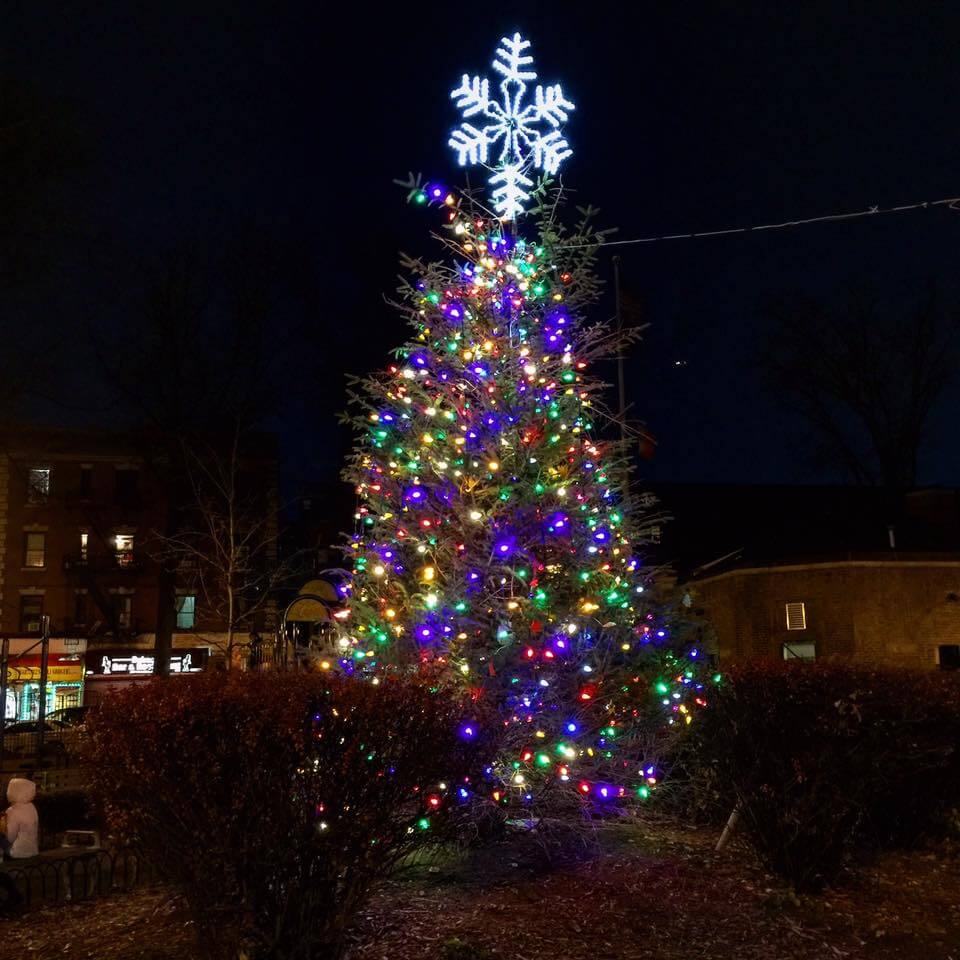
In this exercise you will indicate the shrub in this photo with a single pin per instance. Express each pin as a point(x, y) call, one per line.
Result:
point(276, 800)
point(825, 758)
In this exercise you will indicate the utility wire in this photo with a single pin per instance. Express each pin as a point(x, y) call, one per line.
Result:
point(952, 203)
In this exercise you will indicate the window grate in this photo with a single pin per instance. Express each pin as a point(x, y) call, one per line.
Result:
point(38, 484)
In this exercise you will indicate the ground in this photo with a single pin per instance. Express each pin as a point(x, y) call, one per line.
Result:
point(652, 891)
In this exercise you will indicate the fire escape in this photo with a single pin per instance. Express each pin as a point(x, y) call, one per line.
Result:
point(108, 562)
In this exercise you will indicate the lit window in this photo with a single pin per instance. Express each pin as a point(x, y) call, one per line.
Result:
point(186, 611)
point(84, 545)
point(38, 484)
point(34, 549)
point(800, 651)
point(124, 549)
point(796, 616)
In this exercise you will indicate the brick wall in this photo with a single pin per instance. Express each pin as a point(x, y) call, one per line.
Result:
point(895, 613)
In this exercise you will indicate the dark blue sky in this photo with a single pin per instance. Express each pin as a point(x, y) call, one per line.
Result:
point(294, 118)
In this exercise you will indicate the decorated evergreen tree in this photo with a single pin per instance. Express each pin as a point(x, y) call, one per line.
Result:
point(496, 538)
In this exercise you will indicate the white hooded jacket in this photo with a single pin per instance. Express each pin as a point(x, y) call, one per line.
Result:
point(22, 820)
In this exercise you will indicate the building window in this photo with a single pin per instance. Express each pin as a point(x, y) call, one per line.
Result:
point(186, 611)
point(948, 656)
point(84, 546)
point(800, 651)
point(126, 489)
point(35, 550)
point(123, 610)
point(86, 482)
point(31, 613)
point(65, 698)
point(796, 616)
point(123, 543)
point(80, 610)
point(38, 484)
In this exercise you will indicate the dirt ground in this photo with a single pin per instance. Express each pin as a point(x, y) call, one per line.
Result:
point(655, 892)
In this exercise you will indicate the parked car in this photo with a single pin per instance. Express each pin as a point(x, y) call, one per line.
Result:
point(69, 716)
point(20, 739)
point(33, 726)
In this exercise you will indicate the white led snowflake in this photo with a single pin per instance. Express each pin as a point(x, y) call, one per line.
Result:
point(528, 133)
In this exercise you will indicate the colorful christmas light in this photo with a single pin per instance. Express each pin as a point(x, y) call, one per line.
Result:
point(493, 538)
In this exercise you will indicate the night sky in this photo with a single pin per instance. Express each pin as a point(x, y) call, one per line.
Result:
point(292, 119)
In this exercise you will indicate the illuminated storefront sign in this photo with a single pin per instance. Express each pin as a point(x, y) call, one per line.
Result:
point(65, 672)
point(61, 668)
point(139, 663)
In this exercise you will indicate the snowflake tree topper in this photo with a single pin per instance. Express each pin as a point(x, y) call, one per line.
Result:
point(522, 135)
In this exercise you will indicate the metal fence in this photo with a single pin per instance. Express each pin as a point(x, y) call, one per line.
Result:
point(54, 749)
point(64, 878)
point(53, 764)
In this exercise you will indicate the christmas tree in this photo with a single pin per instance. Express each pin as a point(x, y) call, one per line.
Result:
point(496, 539)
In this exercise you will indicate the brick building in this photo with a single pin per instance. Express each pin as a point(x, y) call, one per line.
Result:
point(78, 514)
point(820, 572)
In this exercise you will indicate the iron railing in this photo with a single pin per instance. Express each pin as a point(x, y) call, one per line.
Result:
point(56, 878)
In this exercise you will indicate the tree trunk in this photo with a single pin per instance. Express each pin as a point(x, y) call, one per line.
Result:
point(166, 619)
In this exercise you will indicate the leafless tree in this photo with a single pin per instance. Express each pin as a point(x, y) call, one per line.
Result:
point(200, 367)
point(226, 546)
point(866, 377)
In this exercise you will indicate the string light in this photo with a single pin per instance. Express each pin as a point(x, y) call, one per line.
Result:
point(493, 541)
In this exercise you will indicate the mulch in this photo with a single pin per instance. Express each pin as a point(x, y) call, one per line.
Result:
point(652, 891)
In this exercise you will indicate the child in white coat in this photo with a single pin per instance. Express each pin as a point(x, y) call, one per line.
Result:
point(22, 839)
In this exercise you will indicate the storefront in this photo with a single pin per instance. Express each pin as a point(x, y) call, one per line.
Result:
point(65, 682)
point(108, 669)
